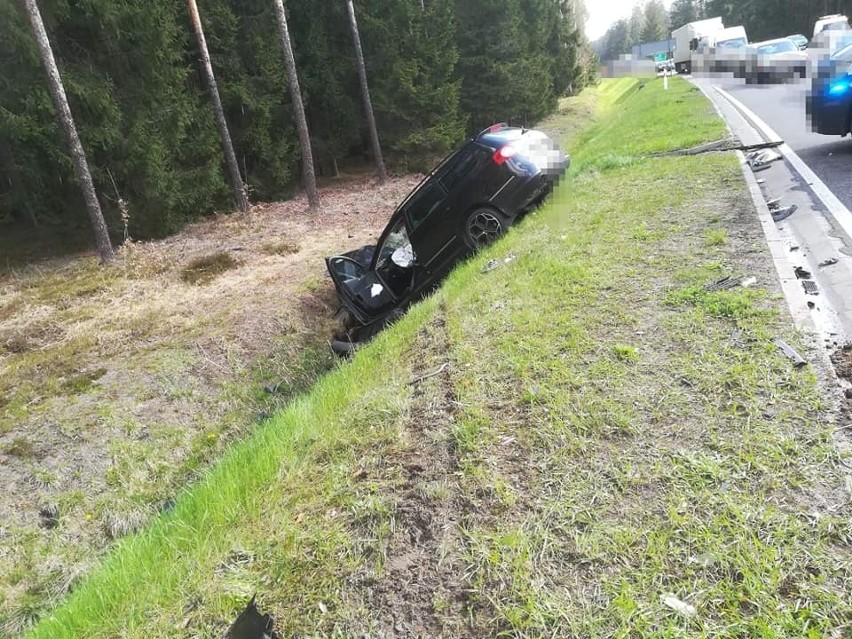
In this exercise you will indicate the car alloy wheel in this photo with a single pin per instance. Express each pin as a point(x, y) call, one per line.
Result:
point(483, 226)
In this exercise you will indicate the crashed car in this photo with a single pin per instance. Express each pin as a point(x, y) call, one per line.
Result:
point(465, 203)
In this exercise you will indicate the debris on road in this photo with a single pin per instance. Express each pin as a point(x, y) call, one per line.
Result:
point(810, 287)
point(251, 624)
point(774, 204)
point(802, 274)
point(677, 605)
point(760, 160)
point(828, 262)
point(791, 353)
point(729, 282)
point(783, 214)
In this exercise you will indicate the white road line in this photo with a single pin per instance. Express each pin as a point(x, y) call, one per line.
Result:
point(835, 207)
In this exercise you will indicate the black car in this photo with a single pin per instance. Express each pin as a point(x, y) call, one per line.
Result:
point(829, 104)
point(465, 203)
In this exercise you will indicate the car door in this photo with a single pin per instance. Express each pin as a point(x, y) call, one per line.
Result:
point(434, 214)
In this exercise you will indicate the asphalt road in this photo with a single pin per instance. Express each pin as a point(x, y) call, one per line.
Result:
point(782, 107)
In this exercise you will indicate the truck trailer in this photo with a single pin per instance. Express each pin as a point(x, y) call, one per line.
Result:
point(687, 39)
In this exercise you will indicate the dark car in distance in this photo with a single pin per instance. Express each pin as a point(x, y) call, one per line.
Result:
point(465, 203)
point(829, 103)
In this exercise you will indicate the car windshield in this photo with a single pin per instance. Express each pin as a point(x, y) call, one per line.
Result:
point(396, 239)
point(777, 47)
point(734, 43)
point(844, 55)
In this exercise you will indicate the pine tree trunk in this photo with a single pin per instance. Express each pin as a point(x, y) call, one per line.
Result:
point(240, 198)
point(308, 176)
point(365, 93)
point(78, 156)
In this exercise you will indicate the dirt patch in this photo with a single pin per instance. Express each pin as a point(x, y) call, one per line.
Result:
point(119, 385)
point(418, 588)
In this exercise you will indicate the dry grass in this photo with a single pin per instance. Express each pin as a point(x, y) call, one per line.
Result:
point(132, 379)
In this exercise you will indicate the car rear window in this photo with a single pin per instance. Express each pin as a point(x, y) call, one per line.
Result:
point(461, 166)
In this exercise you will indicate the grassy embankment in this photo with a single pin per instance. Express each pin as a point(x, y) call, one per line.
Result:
point(605, 434)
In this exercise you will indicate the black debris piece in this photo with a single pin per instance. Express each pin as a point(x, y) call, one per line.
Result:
point(723, 284)
point(791, 353)
point(828, 262)
point(810, 287)
point(794, 248)
point(811, 305)
point(252, 625)
point(783, 214)
point(774, 204)
point(802, 274)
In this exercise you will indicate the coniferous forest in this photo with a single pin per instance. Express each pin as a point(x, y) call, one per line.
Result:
point(438, 70)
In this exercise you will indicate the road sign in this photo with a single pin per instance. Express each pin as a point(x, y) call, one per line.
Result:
point(660, 57)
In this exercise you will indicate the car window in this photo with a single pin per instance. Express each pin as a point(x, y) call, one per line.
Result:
point(736, 43)
point(423, 203)
point(844, 55)
point(397, 238)
point(777, 47)
point(457, 169)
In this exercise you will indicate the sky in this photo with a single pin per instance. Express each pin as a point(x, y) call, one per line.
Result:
point(604, 13)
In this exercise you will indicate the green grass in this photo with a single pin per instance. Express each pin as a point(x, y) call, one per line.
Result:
point(598, 441)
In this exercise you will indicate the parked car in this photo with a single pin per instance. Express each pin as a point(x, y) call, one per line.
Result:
point(800, 41)
point(774, 61)
point(829, 103)
point(465, 203)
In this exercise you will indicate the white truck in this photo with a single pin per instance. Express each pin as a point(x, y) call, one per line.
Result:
point(834, 22)
point(727, 38)
point(687, 38)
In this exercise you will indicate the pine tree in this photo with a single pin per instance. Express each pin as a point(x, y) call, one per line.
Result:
point(239, 191)
point(63, 112)
point(656, 21)
point(308, 177)
point(683, 12)
point(365, 94)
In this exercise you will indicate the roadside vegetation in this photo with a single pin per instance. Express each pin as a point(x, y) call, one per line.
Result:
point(119, 386)
point(581, 442)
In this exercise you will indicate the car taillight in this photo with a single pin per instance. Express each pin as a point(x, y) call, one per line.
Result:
point(502, 154)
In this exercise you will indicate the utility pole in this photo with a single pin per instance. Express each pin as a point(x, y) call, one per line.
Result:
point(365, 93)
point(66, 121)
point(240, 197)
point(308, 177)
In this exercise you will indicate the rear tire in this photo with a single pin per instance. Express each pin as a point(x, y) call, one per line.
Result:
point(483, 226)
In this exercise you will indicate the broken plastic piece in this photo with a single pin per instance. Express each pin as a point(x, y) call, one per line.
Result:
point(810, 287)
point(252, 625)
point(774, 204)
point(828, 262)
point(749, 282)
point(791, 353)
point(679, 606)
point(724, 284)
point(801, 273)
point(782, 214)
